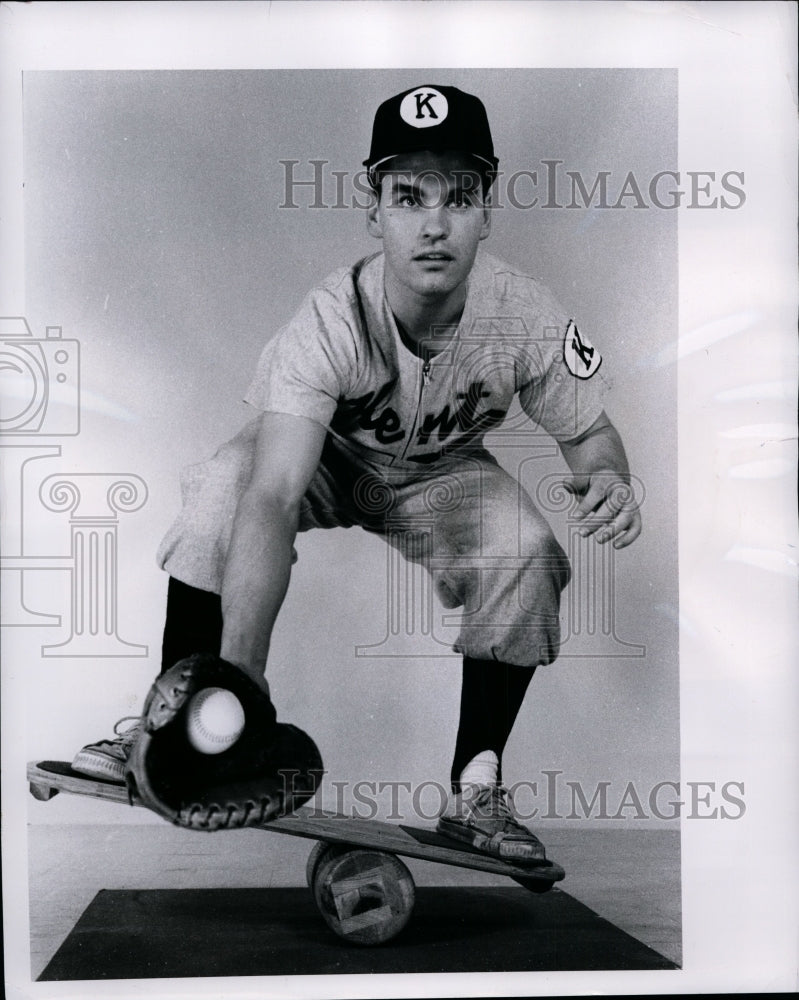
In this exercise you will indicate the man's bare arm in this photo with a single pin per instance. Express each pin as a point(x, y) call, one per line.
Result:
point(259, 559)
point(601, 477)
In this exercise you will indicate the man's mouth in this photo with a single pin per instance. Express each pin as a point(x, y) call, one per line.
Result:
point(434, 255)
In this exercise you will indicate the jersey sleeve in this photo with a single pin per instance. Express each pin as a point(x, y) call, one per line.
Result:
point(309, 365)
point(564, 386)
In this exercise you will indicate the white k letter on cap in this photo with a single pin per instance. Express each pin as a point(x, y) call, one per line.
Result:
point(424, 107)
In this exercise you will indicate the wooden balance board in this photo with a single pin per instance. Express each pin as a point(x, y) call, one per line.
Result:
point(361, 888)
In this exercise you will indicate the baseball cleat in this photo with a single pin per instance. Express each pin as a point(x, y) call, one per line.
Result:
point(106, 759)
point(483, 817)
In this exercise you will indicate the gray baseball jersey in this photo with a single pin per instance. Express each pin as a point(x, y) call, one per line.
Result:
point(411, 422)
point(341, 362)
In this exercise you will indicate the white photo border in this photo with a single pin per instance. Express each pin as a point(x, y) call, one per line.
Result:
point(738, 297)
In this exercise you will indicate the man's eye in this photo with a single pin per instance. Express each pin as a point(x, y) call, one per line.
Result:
point(461, 200)
point(406, 201)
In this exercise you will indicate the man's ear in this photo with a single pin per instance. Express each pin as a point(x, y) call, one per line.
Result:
point(373, 225)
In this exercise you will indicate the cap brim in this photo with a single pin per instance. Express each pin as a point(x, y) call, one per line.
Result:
point(371, 167)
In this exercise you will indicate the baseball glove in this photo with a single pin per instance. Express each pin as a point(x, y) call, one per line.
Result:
point(271, 769)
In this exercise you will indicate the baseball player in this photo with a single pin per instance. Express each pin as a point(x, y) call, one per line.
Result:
point(373, 402)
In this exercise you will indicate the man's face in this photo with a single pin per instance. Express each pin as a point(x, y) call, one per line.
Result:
point(431, 215)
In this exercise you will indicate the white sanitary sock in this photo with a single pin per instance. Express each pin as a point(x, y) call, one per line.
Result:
point(481, 770)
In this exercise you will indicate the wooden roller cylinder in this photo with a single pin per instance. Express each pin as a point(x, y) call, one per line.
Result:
point(365, 896)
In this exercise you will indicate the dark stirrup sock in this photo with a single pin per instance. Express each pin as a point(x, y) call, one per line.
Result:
point(491, 696)
point(193, 623)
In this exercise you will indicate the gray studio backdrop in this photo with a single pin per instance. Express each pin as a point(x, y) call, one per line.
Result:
point(157, 234)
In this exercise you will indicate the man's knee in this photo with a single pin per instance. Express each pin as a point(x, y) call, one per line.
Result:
point(544, 554)
point(538, 549)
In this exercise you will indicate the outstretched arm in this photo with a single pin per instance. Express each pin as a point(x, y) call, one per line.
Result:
point(259, 559)
point(600, 478)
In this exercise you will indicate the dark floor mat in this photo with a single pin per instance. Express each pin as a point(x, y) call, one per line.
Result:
point(177, 933)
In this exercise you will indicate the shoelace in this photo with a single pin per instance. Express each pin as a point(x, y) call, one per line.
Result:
point(497, 798)
point(127, 737)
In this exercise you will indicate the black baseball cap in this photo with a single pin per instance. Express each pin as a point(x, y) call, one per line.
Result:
point(432, 118)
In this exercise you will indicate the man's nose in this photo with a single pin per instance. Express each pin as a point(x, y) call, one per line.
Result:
point(436, 222)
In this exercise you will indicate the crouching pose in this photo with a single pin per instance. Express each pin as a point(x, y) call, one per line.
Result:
point(373, 403)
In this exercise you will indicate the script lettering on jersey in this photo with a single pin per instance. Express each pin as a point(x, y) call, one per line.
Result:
point(465, 417)
point(363, 413)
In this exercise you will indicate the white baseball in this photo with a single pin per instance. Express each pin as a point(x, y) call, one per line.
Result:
point(214, 720)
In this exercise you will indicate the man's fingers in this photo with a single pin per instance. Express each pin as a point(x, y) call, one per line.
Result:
point(592, 499)
point(625, 538)
point(607, 522)
point(593, 520)
point(602, 489)
point(623, 529)
point(608, 512)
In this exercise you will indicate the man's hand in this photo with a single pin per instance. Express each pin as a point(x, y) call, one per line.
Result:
point(607, 507)
point(601, 479)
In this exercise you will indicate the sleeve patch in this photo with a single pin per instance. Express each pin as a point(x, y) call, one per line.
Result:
point(581, 357)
